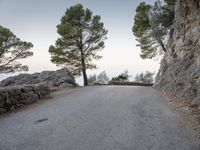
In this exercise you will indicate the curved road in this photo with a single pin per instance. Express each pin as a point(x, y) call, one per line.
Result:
point(98, 118)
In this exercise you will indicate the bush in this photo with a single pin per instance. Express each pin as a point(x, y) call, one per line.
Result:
point(146, 77)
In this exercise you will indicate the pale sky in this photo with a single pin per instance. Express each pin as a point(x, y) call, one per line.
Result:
point(35, 21)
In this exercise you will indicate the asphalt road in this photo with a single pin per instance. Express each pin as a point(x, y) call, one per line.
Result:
point(98, 118)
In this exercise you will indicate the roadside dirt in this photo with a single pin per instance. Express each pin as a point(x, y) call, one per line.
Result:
point(186, 108)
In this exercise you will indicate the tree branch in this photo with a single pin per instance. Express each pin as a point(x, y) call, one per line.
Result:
point(12, 59)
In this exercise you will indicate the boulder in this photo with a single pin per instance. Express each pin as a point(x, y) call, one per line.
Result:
point(60, 78)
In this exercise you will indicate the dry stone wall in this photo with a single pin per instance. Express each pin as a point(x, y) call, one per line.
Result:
point(18, 96)
point(24, 89)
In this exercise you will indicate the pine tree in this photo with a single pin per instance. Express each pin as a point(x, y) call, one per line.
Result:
point(81, 36)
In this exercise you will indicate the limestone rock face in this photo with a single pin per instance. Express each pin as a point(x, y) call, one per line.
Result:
point(59, 78)
point(180, 67)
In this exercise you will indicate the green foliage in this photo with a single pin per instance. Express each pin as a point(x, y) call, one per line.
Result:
point(141, 19)
point(146, 77)
point(92, 79)
point(11, 50)
point(167, 15)
point(81, 36)
point(152, 27)
point(102, 78)
point(123, 77)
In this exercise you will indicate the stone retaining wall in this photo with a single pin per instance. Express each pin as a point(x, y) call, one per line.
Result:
point(130, 83)
point(18, 96)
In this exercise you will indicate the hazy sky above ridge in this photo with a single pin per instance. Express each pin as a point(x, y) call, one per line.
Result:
point(35, 21)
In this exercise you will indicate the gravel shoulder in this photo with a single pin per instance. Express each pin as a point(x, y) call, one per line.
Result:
point(189, 112)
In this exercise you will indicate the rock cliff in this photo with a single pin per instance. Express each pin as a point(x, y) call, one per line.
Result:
point(59, 78)
point(180, 68)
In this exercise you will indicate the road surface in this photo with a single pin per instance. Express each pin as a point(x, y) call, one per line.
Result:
point(98, 118)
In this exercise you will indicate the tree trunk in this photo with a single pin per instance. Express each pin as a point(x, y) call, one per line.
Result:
point(85, 80)
point(161, 44)
point(163, 47)
point(85, 77)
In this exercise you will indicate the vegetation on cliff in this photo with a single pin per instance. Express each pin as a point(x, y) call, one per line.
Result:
point(152, 27)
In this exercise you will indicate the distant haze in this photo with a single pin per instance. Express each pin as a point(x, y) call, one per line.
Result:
point(35, 21)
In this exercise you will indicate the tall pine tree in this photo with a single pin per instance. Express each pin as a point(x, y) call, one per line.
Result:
point(81, 36)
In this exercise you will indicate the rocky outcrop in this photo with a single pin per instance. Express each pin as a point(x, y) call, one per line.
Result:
point(18, 96)
point(60, 78)
point(180, 68)
point(24, 89)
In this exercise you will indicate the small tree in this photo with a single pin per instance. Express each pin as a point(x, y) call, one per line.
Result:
point(146, 77)
point(152, 27)
point(11, 50)
point(92, 79)
point(123, 77)
point(82, 35)
point(102, 78)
